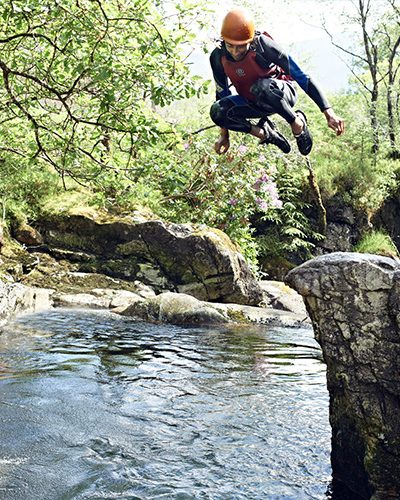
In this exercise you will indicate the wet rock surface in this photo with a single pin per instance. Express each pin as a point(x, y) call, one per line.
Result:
point(354, 304)
point(15, 298)
point(148, 267)
point(183, 309)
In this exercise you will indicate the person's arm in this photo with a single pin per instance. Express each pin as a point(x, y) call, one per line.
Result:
point(222, 144)
point(220, 78)
point(273, 52)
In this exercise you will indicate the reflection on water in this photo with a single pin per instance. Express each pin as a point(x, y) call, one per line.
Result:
point(94, 405)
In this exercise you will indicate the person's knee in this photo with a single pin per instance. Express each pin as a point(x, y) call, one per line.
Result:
point(218, 113)
point(267, 90)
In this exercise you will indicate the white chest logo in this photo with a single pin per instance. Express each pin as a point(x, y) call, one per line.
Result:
point(240, 72)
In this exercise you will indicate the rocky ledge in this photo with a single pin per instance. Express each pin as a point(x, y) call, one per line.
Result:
point(149, 269)
point(16, 298)
point(184, 258)
point(354, 304)
point(141, 303)
point(182, 309)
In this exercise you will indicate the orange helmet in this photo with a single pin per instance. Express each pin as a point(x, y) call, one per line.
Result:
point(238, 27)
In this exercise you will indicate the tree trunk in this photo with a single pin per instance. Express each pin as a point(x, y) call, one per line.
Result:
point(394, 150)
point(374, 118)
point(371, 52)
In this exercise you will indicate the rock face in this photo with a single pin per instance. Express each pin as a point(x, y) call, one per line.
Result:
point(27, 235)
point(388, 218)
point(279, 296)
point(354, 304)
point(99, 298)
point(344, 227)
point(15, 298)
point(201, 262)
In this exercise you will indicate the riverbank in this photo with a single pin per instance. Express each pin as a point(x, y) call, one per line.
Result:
point(168, 307)
point(148, 269)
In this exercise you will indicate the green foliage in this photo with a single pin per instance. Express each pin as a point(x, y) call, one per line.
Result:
point(377, 242)
point(23, 185)
point(81, 79)
point(346, 164)
point(222, 191)
point(89, 117)
point(288, 231)
point(376, 63)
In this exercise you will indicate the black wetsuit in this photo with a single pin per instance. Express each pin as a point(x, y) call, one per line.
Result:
point(264, 80)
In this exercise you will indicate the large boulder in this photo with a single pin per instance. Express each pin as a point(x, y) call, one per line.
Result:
point(183, 309)
point(177, 309)
point(195, 260)
point(354, 304)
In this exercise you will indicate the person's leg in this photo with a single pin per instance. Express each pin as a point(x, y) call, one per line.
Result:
point(233, 113)
point(276, 96)
point(279, 96)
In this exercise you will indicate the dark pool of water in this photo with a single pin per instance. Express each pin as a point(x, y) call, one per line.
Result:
point(93, 405)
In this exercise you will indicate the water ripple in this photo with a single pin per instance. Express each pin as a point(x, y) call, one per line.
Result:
point(98, 406)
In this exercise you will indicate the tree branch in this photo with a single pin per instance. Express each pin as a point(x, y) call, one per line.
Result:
point(30, 35)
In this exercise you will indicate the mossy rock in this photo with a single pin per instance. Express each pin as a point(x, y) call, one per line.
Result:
point(183, 254)
point(276, 267)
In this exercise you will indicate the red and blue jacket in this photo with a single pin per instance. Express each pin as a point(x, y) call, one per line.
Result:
point(265, 59)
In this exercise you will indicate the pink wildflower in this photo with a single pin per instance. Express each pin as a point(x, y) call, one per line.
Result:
point(242, 149)
point(277, 203)
point(272, 189)
point(186, 145)
point(273, 170)
point(233, 201)
point(262, 204)
point(263, 177)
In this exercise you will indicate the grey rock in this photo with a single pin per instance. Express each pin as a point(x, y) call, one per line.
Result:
point(198, 260)
point(178, 309)
point(242, 314)
point(86, 300)
point(354, 304)
point(98, 298)
point(16, 298)
point(183, 309)
point(280, 296)
point(339, 237)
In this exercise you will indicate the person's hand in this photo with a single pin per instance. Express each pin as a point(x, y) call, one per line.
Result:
point(334, 122)
point(222, 144)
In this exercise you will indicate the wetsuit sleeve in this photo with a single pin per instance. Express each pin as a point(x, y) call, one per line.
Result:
point(271, 51)
point(221, 80)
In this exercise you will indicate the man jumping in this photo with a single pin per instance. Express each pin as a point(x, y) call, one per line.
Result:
point(264, 77)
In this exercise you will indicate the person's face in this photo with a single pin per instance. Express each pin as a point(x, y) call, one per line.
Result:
point(238, 52)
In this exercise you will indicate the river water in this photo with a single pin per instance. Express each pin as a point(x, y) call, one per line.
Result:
point(94, 405)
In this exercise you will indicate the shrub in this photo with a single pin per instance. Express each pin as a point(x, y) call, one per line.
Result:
point(377, 242)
